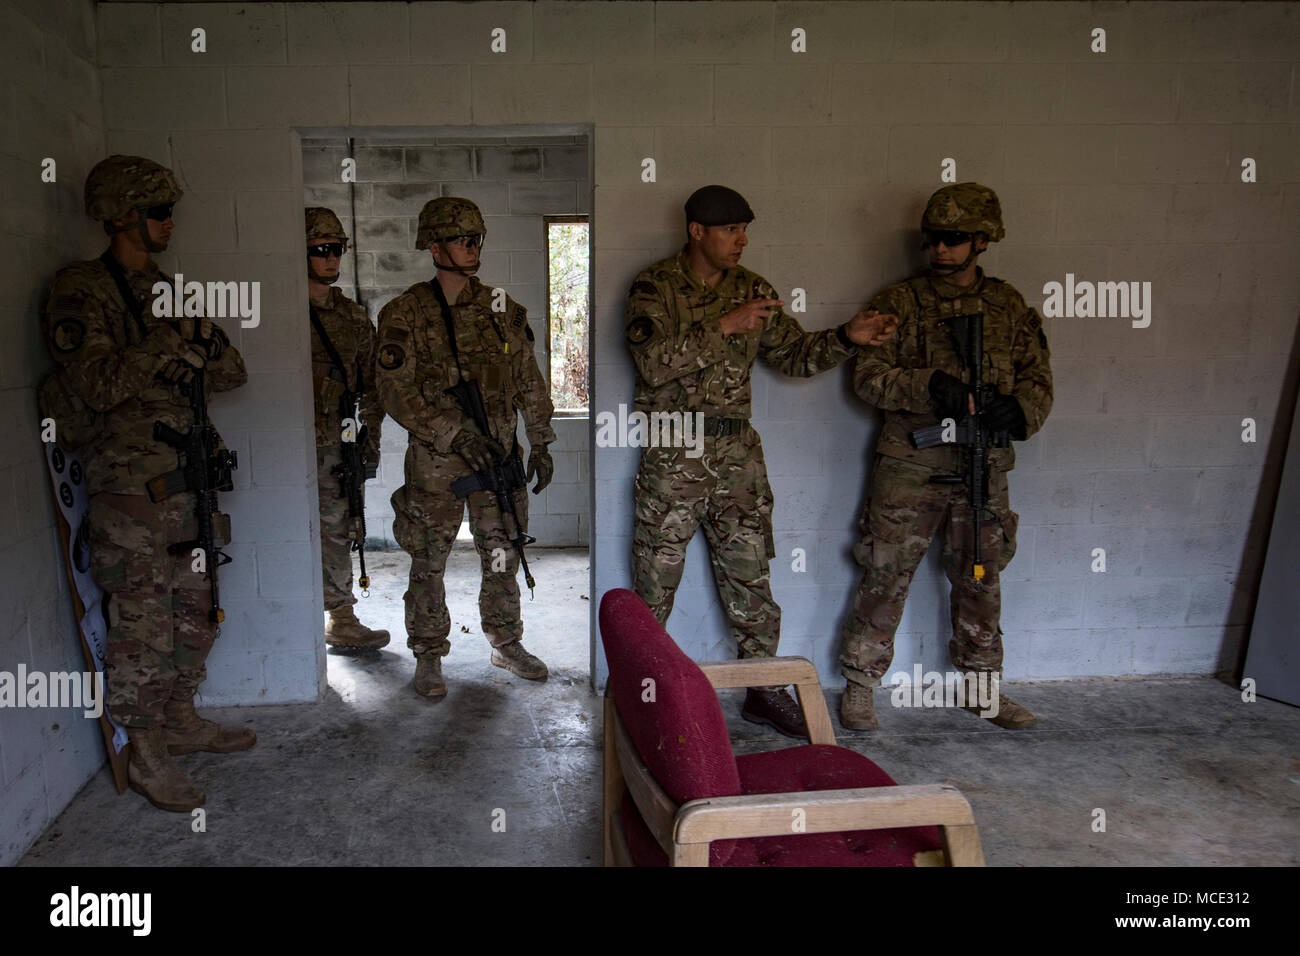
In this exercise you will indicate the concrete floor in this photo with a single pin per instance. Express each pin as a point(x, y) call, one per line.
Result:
point(1186, 772)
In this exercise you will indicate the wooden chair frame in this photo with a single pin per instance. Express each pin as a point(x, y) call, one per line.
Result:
point(685, 831)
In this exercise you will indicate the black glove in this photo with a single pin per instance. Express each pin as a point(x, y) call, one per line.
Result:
point(950, 394)
point(1004, 414)
point(478, 450)
point(541, 465)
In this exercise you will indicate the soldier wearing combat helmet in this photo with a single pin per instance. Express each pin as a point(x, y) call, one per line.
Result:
point(917, 380)
point(695, 324)
point(437, 335)
point(343, 346)
point(134, 369)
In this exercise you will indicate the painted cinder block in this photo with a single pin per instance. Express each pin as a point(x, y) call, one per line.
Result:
point(1103, 91)
point(468, 33)
point(340, 33)
point(779, 94)
point(429, 164)
point(656, 94)
point(543, 198)
point(531, 93)
point(917, 154)
point(1144, 498)
point(391, 95)
point(1115, 601)
point(126, 33)
point(160, 98)
point(1234, 93)
point(712, 33)
point(234, 34)
point(231, 159)
point(614, 32)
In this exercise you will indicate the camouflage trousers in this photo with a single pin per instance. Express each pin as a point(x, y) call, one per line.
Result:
point(725, 492)
point(903, 514)
point(427, 516)
point(157, 607)
point(336, 530)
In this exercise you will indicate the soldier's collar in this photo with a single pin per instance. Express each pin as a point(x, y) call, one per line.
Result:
point(950, 290)
point(695, 281)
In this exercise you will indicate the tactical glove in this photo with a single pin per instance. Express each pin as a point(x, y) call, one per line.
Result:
point(175, 372)
point(950, 394)
point(1004, 414)
point(541, 465)
point(478, 450)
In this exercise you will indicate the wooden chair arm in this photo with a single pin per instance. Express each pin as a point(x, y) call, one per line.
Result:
point(699, 822)
point(777, 672)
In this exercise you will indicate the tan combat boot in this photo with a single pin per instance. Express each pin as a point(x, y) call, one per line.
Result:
point(185, 731)
point(857, 707)
point(1010, 715)
point(518, 661)
point(344, 630)
point(153, 775)
point(428, 676)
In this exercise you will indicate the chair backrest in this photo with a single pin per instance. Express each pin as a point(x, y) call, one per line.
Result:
point(675, 721)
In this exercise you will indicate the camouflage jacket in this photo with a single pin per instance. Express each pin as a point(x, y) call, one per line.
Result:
point(683, 360)
point(416, 366)
point(895, 375)
point(353, 336)
point(111, 367)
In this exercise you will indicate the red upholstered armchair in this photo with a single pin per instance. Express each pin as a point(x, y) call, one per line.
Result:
point(676, 795)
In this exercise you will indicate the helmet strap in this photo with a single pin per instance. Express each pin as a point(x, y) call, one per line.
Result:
point(453, 267)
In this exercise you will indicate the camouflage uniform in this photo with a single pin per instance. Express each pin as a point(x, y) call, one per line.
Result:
point(353, 336)
point(904, 510)
point(685, 363)
point(159, 634)
point(415, 366)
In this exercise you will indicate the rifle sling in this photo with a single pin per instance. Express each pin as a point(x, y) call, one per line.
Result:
point(124, 290)
point(335, 359)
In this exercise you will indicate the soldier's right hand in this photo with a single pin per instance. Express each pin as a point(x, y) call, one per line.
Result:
point(478, 450)
point(748, 317)
point(205, 339)
point(175, 372)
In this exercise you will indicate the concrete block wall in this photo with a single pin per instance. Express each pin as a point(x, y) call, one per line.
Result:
point(1117, 166)
point(516, 180)
point(50, 91)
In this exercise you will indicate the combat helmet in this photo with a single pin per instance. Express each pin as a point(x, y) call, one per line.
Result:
point(323, 224)
point(965, 207)
point(445, 217)
point(119, 184)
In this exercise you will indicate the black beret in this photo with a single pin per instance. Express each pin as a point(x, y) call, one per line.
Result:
point(717, 206)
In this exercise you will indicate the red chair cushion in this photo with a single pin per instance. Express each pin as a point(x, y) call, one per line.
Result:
point(795, 769)
point(679, 730)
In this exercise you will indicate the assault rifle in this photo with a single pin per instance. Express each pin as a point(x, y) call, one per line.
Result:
point(970, 431)
point(205, 470)
point(501, 478)
point(351, 473)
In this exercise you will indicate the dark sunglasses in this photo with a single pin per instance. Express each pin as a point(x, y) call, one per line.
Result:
point(949, 237)
point(160, 213)
point(469, 242)
point(327, 249)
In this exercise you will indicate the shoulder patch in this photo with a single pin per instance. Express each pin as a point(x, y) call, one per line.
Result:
point(68, 335)
point(639, 330)
point(1042, 339)
point(643, 287)
point(528, 331)
point(67, 305)
point(520, 317)
point(391, 356)
point(395, 333)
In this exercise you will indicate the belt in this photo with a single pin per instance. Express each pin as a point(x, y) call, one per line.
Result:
point(719, 427)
